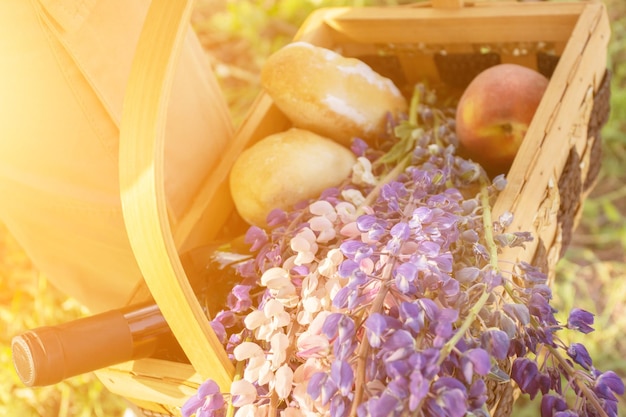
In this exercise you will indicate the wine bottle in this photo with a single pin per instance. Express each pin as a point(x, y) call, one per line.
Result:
point(50, 354)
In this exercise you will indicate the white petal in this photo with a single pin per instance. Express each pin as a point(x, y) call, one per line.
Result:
point(323, 208)
point(247, 350)
point(255, 319)
point(283, 382)
point(243, 392)
point(275, 277)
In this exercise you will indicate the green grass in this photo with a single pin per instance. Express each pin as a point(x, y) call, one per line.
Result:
point(592, 274)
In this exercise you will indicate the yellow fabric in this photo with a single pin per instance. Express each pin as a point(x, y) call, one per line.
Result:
point(64, 65)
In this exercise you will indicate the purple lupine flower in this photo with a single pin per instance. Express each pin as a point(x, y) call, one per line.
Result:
point(208, 401)
point(449, 398)
point(340, 406)
point(352, 269)
point(322, 387)
point(539, 307)
point(343, 376)
point(518, 312)
point(477, 395)
point(419, 388)
point(475, 361)
point(256, 238)
point(276, 217)
point(526, 374)
point(392, 192)
point(608, 384)
point(404, 276)
point(384, 406)
point(356, 250)
point(496, 342)
point(552, 404)
point(372, 225)
point(580, 320)
point(359, 147)
point(400, 233)
point(412, 315)
point(239, 298)
point(398, 387)
point(397, 340)
point(377, 327)
point(579, 354)
point(347, 297)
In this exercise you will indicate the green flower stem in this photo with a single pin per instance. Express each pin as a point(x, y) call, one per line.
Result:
point(239, 368)
point(390, 176)
point(493, 260)
point(488, 224)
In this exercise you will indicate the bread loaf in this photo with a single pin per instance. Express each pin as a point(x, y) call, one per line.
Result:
point(284, 169)
point(326, 93)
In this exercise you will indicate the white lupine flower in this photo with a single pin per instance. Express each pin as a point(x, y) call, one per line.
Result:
point(324, 227)
point(283, 382)
point(323, 208)
point(313, 346)
point(353, 196)
point(350, 230)
point(266, 375)
point(248, 410)
point(301, 377)
point(266, 322)
point(275, 278)
point(328, 266)
point(279, 346)
point(362, 172)
point(255, 356)
point(247, 350)
point(243, 392)
point(346, 211)
point(278, 281)
point(304, 244)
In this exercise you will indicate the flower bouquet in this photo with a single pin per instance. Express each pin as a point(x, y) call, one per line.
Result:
point(386, 296)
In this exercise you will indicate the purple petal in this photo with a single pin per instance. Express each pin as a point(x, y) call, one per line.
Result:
point(518, 311)
point(343, 376)
point(208, 387)
point(609, 383)
point(412, 316)
point(550, 404)
point(399, 339)
point(314, 387)
point(375, 327)
point(496, 342)
point(256, 237)
point(579, 354)
point(480, 359)
point(340, 406)
point(580, 320)
point(191, 406)
point(384, 406)
point(526, 374)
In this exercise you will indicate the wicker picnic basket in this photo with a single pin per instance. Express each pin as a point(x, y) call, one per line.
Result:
point(449, 41)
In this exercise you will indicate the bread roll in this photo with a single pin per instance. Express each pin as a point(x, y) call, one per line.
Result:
point(284, 169)
point(326, 93)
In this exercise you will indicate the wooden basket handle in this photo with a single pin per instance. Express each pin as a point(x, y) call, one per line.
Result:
point(144, 205)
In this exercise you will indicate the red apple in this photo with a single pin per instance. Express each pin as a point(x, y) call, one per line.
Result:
point(494, 113)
